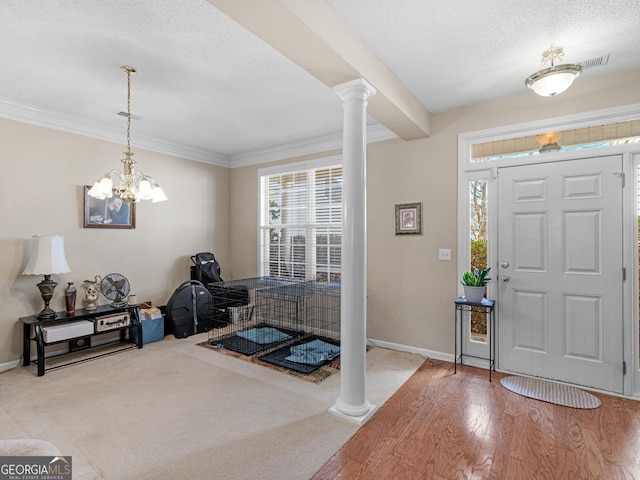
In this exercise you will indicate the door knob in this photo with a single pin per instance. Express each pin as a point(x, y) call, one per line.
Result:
point(504, 264)
point(505, 278)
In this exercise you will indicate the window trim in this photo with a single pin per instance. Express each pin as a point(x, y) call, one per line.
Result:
point(324, 162)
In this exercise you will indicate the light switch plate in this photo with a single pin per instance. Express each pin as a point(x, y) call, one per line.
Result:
point(444, 254)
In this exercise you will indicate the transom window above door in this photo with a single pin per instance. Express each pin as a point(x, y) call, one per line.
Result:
point(561, 140)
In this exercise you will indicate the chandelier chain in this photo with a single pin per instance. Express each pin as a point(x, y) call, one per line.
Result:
point(129, 110)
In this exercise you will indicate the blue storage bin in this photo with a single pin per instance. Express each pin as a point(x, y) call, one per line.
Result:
point(152, 331)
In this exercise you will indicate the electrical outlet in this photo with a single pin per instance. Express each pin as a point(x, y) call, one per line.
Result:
point(444, 254)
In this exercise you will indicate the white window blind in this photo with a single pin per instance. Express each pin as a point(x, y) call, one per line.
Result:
point(301, 223)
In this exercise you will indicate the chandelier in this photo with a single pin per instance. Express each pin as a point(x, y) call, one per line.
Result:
point(131, 186)
point(555, 79)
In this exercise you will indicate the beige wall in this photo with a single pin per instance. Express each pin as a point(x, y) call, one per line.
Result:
point(410, 291)
point(42, 173)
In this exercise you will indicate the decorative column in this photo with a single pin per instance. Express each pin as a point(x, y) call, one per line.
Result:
point(352, 404)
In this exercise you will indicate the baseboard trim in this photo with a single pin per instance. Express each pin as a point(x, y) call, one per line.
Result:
point(5, 367)
point(423, 352)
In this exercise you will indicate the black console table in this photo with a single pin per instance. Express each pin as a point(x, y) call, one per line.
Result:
point(488, 308)
point(32, 331)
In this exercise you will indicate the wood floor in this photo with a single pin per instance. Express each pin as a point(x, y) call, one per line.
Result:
point(444, 426)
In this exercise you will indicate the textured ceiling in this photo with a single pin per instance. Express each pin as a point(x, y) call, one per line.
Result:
point(203, 81)
point(463, 52)
point(208, 86)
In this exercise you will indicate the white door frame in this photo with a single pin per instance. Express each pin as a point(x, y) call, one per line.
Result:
point(631, 158)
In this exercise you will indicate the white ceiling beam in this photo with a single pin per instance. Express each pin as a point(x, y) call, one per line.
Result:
point(312, 35)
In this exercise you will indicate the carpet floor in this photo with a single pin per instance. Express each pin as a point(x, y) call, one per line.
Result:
point(174, 410)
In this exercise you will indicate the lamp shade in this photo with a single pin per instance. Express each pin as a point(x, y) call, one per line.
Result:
point(46, 256)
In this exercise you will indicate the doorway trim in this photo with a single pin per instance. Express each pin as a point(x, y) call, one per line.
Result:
point(631, 158)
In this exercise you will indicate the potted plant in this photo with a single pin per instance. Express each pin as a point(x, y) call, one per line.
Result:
point(474, 284)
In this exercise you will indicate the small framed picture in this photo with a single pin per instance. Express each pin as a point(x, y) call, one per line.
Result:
point(409, 219)
point(108, 213)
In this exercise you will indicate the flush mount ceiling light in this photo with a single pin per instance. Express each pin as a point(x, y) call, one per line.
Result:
point(555, 79)
point(132, 186)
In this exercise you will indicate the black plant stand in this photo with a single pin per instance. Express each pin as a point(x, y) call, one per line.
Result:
point(488, 308)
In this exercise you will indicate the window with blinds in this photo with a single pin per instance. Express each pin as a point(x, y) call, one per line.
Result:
point(301, 223)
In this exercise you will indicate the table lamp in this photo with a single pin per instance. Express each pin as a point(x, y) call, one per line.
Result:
point(46, 257)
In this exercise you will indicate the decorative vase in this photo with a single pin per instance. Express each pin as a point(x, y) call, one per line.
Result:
point(91, 295)
point(474, 294)
point(70, 297)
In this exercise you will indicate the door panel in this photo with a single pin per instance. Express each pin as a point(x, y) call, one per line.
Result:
point(530, 321)
point(583, 327)
point(582, 242)
point(560, 289)
point(530, 244)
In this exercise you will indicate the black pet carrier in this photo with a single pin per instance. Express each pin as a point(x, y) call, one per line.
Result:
point(205, 269)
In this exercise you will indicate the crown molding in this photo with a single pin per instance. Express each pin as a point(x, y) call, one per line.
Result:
point(42, 117)
point(375, 133)
point(26, 113)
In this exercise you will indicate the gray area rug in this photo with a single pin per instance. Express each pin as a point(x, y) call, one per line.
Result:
point(550, 392)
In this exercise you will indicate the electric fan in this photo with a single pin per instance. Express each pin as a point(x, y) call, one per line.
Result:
point(115, 287)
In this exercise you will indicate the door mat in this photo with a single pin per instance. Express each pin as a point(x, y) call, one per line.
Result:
point(317, 376)
point(551, 392)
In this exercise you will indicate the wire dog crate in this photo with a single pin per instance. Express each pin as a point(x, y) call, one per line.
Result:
point(312, 309)
point(234, 306)
point(291, 323)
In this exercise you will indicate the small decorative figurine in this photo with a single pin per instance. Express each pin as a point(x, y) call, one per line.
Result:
point(91, 295)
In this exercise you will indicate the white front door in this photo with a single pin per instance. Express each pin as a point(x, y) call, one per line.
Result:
point(559, 272)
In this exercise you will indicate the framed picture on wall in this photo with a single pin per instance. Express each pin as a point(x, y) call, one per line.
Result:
point(409, 219)
point(108, 213)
